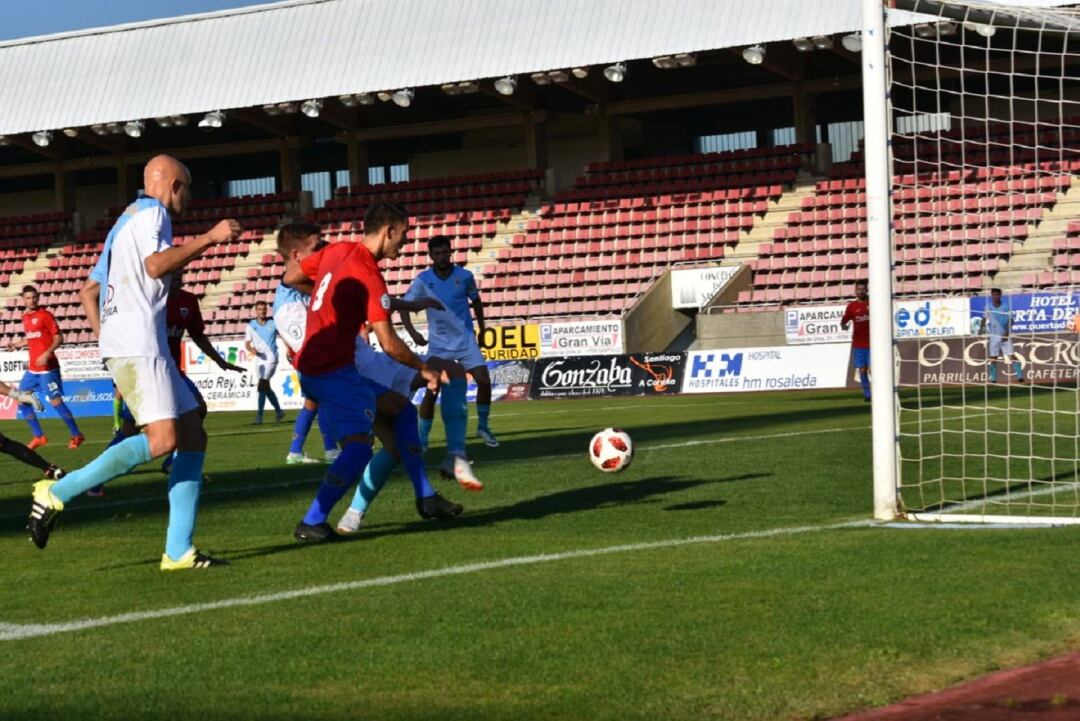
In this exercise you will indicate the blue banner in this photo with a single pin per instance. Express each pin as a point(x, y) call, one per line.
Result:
point(87, 398)
point(1031, 312)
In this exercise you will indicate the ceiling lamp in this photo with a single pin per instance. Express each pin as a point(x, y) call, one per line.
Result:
point(164, 121)
point(803, 45)
point(685, 60)
point(213, 119)
point(506, 86)
point(4, 140)
point(99, 129)
point(580, 73)
point(134, 128)
point(615, 73)
point(311, 108)
point(403, 98)
point(822, 42)
point(451, 88)
point(42, 138)
point(178, 121)
point(468, 87)
point(852, 43)
point(755, 54)
point(271, 109)
point(541, 78)
point(665, 62)
point(71, 132)
point(385, 96)
point(349, 101)
point(114, 128)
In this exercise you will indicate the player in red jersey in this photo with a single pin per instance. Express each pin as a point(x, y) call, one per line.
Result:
point(857, 315)
point(42, 338)
point(347, 290)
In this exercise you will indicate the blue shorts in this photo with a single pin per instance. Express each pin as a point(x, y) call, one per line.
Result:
point(345, 397)
point(194, 389)
point(861, 357)
point(47, 384)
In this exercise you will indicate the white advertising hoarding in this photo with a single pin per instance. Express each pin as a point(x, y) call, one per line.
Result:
point(694, 287)
point(590, 337)
point(815, 324)
point(766, 369)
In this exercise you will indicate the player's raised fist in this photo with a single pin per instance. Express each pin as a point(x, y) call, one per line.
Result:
point(225, 231)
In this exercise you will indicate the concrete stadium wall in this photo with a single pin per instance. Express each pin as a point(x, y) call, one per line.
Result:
point(740, 330)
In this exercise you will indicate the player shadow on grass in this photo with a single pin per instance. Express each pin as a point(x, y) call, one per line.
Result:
point(615, 494)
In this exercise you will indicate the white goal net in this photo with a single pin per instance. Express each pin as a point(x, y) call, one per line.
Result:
point(983, 164)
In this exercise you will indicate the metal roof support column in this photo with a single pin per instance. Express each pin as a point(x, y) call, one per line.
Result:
point(535, 142)
point(358, 154)
point(63, 189)
point(289, 155)
point(805, 111)
point(607, 127)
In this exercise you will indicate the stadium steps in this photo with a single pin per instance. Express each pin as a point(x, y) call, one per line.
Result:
point(484, 259)
point(1035, 253)
point(224, 288)
point(28, 276)
point(775, 217)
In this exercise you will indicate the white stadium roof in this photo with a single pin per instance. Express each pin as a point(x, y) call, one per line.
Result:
point(290, 51)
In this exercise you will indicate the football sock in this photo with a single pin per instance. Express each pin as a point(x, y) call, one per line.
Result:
point(864, 381)
point(375, 477)
point(328, 442)
point(117, 421)
point(166, 465)
point(455, 415)
point(22, 453)
point(261, 404)
point(113, 462)
point(407, 438)
point(184, 482)
point(482, 412)
point(301, 428)
point(69, 419)
point(339, 478)
point(31, 419)
point(273, 400)
point(1019, 370)
point(993, 372)
point(425, 429)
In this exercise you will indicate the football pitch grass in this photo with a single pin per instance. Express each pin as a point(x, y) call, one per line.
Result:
point(729, 573)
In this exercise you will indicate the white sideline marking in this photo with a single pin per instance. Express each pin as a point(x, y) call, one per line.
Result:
point(17, 631)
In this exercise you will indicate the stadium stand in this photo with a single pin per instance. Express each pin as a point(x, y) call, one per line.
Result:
point(963, 225)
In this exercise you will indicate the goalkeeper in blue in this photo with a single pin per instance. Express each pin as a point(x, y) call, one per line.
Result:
point(997, 324)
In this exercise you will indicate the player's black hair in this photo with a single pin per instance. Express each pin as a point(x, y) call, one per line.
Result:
point(262, 303)
point(996, 290)
point(291, 235)
point(863, 281)
point(382, 213)
point(28, 289)
point(438, 241)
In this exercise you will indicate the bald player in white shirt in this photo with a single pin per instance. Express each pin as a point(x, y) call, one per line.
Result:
point(124, 299)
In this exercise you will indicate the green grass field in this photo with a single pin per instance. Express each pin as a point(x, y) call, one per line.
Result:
point(727, 586)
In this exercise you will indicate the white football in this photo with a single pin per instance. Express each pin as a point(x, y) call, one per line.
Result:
point(611, 450)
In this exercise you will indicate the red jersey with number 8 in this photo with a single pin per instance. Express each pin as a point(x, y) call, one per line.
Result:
point(349, 291)
point(41, 328)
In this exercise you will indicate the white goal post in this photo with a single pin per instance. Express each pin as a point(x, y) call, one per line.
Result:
point(972, 182)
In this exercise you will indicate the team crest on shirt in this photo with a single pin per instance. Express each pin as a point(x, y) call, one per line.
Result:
point(33, 321)
point(385, 301)
point(184, 312)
